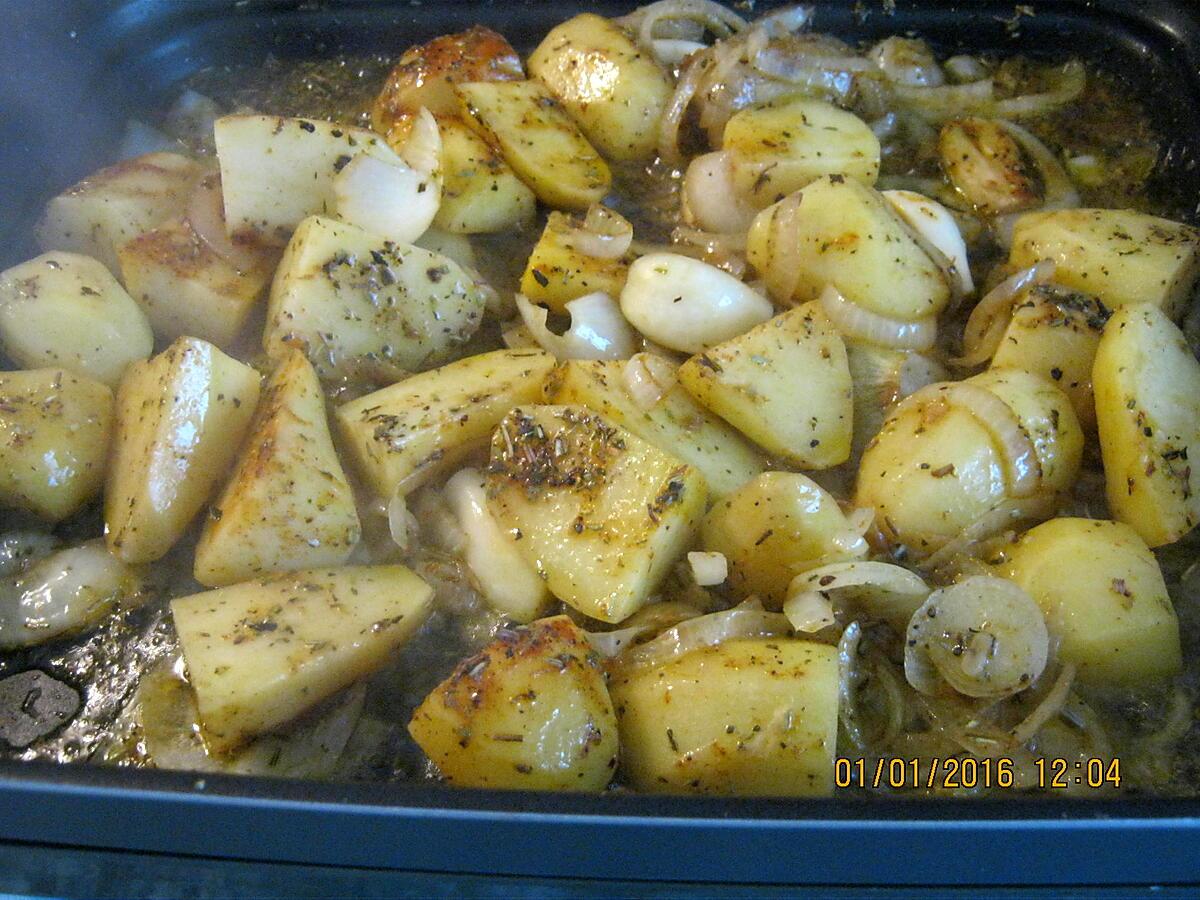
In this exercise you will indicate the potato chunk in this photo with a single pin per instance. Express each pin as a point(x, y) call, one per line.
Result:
point(779, 148)
point(54, 434)
point(63, 309)
point(541, 143)
point(276, 171)
point(260, 653)
point(404, 435)
point(361, 306)
point(675, 423)
point(775, 527)
point(785, 385)
point(846, 234)
point(287, 504)
point(531, 710)
point(1119, 255)
point(612, 87)
point(601, 513)
point(480, 192)
point(1104, 599)
point(109, 207)
point(1054, 333)
point(751, 717)
point(181, 418)
point(557, 273)
point(1147, 385)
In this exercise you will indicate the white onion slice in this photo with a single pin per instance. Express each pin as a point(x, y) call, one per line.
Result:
point(648, 377)
point(1073, 81)
point(907, 61)
point(718, 19)
point(673, 51)
point(401, 523)
point(708, 568)
point(746, 620)
point(988, 320)
point(809, 611)
point(392, 200)
point(605, 234)
point(672, 117)
point(1008, 514)
point(880, 590)
point(783, 268)
point(935, 227)
point(855, 322)
point(206, 214)
point(948, 101)
point(610, 644)
point(709, 197)
point(598, 330)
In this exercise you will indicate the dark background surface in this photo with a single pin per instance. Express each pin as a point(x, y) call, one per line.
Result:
point(70, 74)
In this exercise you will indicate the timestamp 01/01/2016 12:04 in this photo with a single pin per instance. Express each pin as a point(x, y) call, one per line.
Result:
point(970, 773)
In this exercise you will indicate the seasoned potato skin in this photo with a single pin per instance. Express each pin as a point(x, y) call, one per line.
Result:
point(531, 710)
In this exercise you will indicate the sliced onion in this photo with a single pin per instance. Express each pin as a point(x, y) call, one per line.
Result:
point(984, 637)
point(1073, 79)
point(965, 68)
point(990, 317)
point(604, 234)
point(935, 230)
point(1059, 191)
point(423, 149)
point(673, 51)
point(783, 266)
point(206, 214)
point(809, 611)
point(718, 19)
point(879, 590)
point(1051, 705)
point(708, 569)
point(711, 200)
point(389, 199)
point(598, 330)
point(907, 61)
point(672, 117)
point(855, 322)
point(1022, 466)
point(747, 620)
point(401, 523)
point(648, 377)
point(610, 644)
point(948, 101)
point(1007, 514)
point(849, 680)
point(785, 64)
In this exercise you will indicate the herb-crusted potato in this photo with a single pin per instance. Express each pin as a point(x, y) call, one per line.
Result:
point(746, 717)
point(260, 653)
point(63, 309)
point(675, 423)
point(287, 504)
point(1121, 256)
point(402, 436)
point(557, 273)
point(785, 384)
point(54, 436)
point(1104, 599)
point(600, 512)
point(845, 234)
point(541, 143)
point(180, 420)
point(779, 148)
point(276, 171)
point(1147, 385)
point(531, 710)
point(614, 89)
point(480, 192)
point(99, 214)
point(775, 527)
point(362, 306)
point(1054, 333)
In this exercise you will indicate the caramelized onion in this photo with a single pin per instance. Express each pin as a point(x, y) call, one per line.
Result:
point(855, 322)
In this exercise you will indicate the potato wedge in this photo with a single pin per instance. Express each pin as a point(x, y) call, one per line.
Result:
point(1121, 256)
point(676, 424)
point(260, 653)
point(54, 435)
point(1147, 386)
point(531, 711)
point(287, 504)
point(404, 435)
point(779, 148)
point(541, 143)
point(108, 208)
point(426, 74)
point(775, 527)
point(480, 192)
point(276, 171)
point(557, 273)
point(747, 717)
point(601, 513)
point(847, 235)
point(610, 86)
point(180, 420)
point(1104, 598)
point(63, 309)
point(784, 384)
point(363, 307)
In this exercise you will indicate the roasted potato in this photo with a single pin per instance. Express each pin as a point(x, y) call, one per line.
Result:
point(531, 711)
point(557, 273)
point(63, 309)
point(602, 514)
point(54, 436)
point(260, 653)
point(287, 504)
point(180, 421)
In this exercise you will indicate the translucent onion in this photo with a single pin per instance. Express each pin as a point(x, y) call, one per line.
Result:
point(1022, 466)
point(809, 611)
point(1058, 191)
point(849, 681)
point(598, 330)
point(965, 68)
point(876, 589)
point(714, 17)
point(672, 117)
point(648, 377)
point(990, 317)
point(783, 268)
point(517, 336)
point(604, 234)
point(401, 523)
point(708, 569)
point(673, 51)
point(785, 64)
point(390, 199)
point(20, 549)
point(206, 215)
point(935, 230)
point(984, 637)
point(861, 324)
point(711, 200)
point(947, 101)
point(1008, 514)
point(1051, 705)
point(422, 151)
point(747, 620)
point(1072, 81)
point(610, 644)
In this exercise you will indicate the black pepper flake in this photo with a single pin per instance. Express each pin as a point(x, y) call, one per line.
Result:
point(308, 126)
point(539, 277)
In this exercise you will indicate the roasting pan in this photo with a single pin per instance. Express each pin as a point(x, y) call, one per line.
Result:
point(71, 73)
